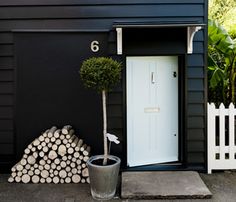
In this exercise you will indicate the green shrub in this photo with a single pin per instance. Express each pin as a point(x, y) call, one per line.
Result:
point(100, 73)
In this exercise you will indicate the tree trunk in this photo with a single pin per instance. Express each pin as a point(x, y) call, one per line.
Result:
point(233, 89)
point(104, 127)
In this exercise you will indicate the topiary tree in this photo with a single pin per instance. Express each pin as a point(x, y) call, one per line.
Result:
point(101, 74)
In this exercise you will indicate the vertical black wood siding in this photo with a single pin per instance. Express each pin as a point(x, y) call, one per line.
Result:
point(97, 14)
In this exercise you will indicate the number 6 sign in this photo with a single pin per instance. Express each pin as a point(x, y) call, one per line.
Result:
point(94, 46)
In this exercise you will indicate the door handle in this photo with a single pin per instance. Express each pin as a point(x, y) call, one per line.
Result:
point(174, 74)
point(153, 77)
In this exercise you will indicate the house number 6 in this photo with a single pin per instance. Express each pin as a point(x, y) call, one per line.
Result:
point(94, 46)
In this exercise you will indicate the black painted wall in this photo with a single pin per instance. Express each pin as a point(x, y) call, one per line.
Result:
point(70, 15)
point(48, 87)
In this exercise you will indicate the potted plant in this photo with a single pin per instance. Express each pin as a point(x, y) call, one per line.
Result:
point(102, 74)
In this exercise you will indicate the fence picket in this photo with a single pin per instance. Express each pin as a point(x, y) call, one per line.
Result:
point(231, 132)
point(211, 137)
point(222, 156)
point(222, 132)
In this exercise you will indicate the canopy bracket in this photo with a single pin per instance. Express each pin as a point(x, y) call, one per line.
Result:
point(119, 41)
point(191, 31)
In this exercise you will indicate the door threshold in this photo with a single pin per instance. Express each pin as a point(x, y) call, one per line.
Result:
point(158, 167)
point(170, 164)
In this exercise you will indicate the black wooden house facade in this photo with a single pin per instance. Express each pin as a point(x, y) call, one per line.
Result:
point(42, 46)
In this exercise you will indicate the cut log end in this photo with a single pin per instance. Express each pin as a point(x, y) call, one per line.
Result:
point(65, 129)
point(25, 178)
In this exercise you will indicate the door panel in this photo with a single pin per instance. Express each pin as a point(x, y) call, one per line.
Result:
point(152, 110)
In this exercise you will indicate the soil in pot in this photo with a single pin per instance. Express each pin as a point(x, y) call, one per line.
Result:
point(99, 162)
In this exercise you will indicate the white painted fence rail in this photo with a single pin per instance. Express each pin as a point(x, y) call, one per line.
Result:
point(221, 153)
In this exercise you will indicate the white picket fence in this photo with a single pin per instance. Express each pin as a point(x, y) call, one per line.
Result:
point(221, 144)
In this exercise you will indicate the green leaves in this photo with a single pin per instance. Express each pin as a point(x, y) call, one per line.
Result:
point(220, 39)
point(100, 73)
point(217, 75)
point(221, 64)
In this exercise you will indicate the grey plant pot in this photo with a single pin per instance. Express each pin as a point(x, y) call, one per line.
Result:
point(103, 179)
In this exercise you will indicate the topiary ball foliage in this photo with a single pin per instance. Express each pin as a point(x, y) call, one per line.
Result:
point(100, 73)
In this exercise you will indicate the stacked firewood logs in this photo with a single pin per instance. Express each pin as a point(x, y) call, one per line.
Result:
point(56, 156)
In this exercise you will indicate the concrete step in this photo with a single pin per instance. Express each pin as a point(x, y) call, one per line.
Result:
point(163, 185)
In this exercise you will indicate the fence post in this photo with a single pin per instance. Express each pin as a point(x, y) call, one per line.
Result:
point(211, 136)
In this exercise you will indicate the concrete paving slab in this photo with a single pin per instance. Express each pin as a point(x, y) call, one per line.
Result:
point(163, 185)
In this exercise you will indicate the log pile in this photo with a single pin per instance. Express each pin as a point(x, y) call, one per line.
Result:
point(56, 156)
